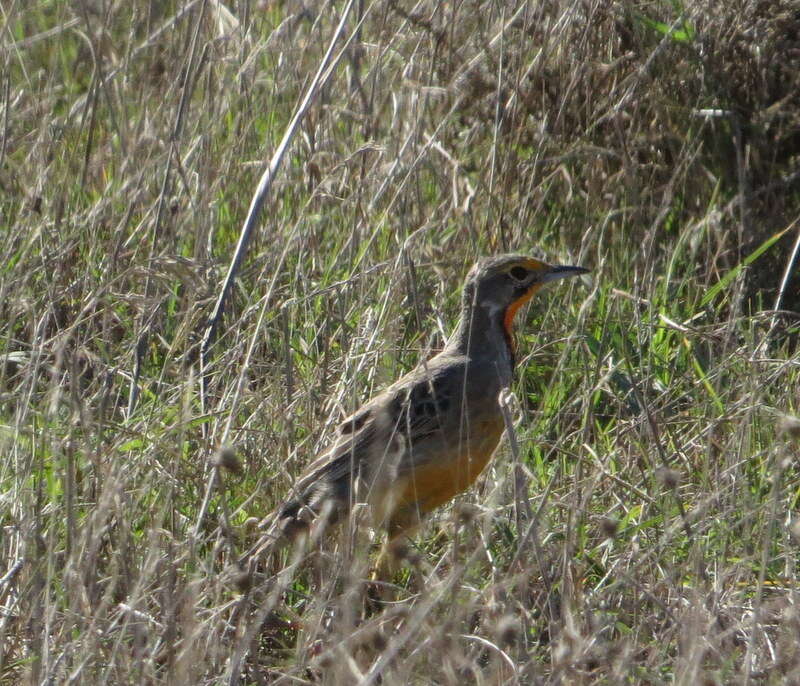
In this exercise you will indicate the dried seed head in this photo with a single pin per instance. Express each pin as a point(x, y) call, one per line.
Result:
point(507, 631)
point(668, 478)
point(414, 559)
point(403, 553)
point(609, 526)
point(226, 458)
point(399, 550)
point(789, 426)
point(239, 577)
point(379, 641)
point(467, 512)
point(326, 660)
point(243, 581)
point(794, 530)
point(475, 84)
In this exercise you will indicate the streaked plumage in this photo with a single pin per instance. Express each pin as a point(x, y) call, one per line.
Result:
point(429, 435)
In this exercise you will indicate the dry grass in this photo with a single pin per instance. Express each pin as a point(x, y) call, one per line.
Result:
point(656, 144)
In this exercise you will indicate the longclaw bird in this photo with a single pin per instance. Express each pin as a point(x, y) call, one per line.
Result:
point(429, 435)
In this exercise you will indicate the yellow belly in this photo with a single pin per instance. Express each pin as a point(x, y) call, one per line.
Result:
point(438, 481)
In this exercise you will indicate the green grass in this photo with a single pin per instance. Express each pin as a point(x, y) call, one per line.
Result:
point(655, 540)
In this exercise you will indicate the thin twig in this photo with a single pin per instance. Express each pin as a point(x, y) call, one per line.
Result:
point(324, 72)
point(787, 275)
point(326, 67)
point(521, 504)
point(146, 319)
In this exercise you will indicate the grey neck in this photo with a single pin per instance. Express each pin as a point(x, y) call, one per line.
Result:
point(480, 335)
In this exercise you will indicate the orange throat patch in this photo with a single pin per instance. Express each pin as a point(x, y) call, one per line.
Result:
point(511, 311)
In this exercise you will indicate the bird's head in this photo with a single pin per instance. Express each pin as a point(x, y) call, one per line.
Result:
point(502, 285)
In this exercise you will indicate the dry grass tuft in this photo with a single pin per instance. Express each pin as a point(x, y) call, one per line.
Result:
point(656, 143)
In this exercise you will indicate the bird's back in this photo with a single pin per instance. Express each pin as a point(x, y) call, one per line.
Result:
point(411, 448)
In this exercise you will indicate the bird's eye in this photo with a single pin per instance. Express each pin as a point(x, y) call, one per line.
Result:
point(518, 273)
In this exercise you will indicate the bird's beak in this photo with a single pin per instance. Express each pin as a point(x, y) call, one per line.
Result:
point(561, 272)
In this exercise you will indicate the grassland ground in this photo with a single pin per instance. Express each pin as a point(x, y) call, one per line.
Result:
point(646, 531)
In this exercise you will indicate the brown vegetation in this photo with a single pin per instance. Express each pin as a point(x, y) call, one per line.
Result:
point(653, 532)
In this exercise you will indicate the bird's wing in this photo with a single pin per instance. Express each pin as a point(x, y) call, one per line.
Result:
point(425, 403)
point(356, 434)
point(413, 408)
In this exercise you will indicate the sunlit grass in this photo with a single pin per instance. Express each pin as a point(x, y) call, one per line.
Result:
point(655, 539)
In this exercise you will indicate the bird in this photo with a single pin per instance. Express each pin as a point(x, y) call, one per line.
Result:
point(428, 436)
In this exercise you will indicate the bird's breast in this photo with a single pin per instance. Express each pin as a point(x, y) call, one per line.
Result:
point(454, 469)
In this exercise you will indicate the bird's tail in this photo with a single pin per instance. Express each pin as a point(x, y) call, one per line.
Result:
point(281, 527)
